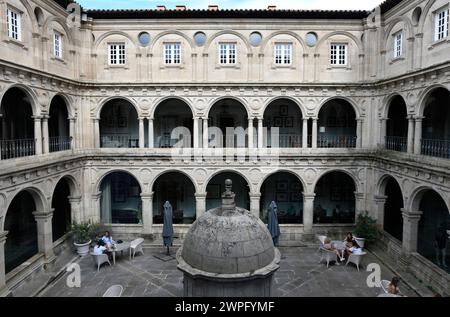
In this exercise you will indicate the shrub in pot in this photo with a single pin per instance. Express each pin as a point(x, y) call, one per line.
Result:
point(366, 231)
point(82, 237)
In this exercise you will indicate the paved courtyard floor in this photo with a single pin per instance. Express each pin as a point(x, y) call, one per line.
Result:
point(300, 275)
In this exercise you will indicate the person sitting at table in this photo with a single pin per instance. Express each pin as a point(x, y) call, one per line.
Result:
point(348, 241)
point(354, 249)
point(100, 248)
point(393, 286)
point(328, 245)
point(108, 240)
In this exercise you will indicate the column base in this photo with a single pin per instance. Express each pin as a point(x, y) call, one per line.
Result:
point(49, 262)
point(404, 261)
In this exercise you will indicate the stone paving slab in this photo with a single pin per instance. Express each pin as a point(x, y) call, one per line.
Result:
point(300, 275)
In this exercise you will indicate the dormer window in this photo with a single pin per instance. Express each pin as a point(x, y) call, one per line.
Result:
point(14, 24)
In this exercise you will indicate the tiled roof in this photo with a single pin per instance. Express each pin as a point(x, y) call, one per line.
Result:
point(225, 14)
point(64, 3)
point(388, 5)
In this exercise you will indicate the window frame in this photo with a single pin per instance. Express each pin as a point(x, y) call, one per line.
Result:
point(441, 31)
point(280, 59)
point(170, 57)
point(18, 26)
point(116, 57)
point(398, 47)
point(58, 48)
point(336, 61)
point(229, 60)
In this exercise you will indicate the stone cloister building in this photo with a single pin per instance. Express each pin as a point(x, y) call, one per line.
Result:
point(357, 105)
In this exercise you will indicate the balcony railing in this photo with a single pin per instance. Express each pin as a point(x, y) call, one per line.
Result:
point(60, 143)
point(436, 148)
point(10, 149)
point(336, 141)
point(397, 143)
point(118, 141)
point(288, 141)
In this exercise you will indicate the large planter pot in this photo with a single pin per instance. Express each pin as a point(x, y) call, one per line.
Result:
point(361, 242)
point(83, 249)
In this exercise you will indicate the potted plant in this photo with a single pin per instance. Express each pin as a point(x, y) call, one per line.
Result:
point(366, 229)
point(81, 234)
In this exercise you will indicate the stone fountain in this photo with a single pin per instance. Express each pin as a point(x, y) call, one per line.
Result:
point(228, 252)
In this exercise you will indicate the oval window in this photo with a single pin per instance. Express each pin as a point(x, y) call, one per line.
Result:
point(255, 38)
point(311, 39)
point(144, 38)
point(200, 38)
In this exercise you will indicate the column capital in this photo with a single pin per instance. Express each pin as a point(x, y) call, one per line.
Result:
point(75, 199)
point(147, 195)
point(255, 195)
point(384, 119)
point(315, 118)
point(141, 118)
point(200, 195)
point(309, 196)
point(411, 215)
point(72, 118)
point(95, 119)
point(43, 215)
point(419, 118)
point(260, 118)
point(251, 118)
point(410, 117)
point(359, 196)
point(97, 196)
point(36, 118)
point(45, 117)
point(360, 119)
point(380, 198)
point(205, 118)
point(150, 118)
point(3, 236)
point(305, 119)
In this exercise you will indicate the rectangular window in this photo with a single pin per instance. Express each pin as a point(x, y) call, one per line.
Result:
point(227, 53)
point(172, 53)
point(116, 53)
point(14, 24)
point(57, 44)
point(442, 21)
point(398, 44)
point(283, 54)
point(338, 54)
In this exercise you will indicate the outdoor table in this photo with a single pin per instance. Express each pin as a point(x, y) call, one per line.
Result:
point(120, 247)
point(340, 246)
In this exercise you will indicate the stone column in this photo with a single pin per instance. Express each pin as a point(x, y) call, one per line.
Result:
point(44, 232)
point(410, 134)
point(95, 215)
point(308, 212)
point(250, 133)
point(45, 135)
point(418, 135)
point(314, 133)
point(359, 123)
point(3, 289)
point(196, 133)
point(75, 209)
point(380, 201)
point(72, 121)
point(410, 230)
point(383, 130)
point(147, 213)
point(150, 133)
point(359, 203)
point(3, 134)
point(200, 204)
point(260, 133)
point(255, 199)
point(305, 133)
point(205, 133)
point(96, 133)
point(38, 134)
point(141, 133)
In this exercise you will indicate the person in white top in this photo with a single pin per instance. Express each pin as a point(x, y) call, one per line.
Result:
point(108, 240)
point(100, 248)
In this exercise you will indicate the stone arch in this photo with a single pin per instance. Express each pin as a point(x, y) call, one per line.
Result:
point(62, 22)
point(216, 100)
point(424, 96)
point(281, 32)
point(176, 32)
point(382, 182)
point(30, 12)
point(302, 109)
point(355, 39)
point(71, 181)
point(34, 101)
point(349, 100)
point(161, 100)
point(417, 194)
point(162, 173)
point(352, 176)
point(394, 22)
point(105, 101)
point(237, 172)
point(387, 102)
point(424, 15)
point(216, 35)
point(268, 175)
point(118, 170)
point(67, 100)
point(102, 37)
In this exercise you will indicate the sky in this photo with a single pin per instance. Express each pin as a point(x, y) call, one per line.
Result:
point(234, 4)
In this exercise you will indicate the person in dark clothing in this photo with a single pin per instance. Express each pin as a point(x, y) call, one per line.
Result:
point(441, 241)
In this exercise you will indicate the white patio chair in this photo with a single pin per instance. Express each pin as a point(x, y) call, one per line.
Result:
point(114, 291)
point(328, 255)
point(356, 259)
point(385, 286)
point(322, 240)
point(136, 246)
point(100, 259)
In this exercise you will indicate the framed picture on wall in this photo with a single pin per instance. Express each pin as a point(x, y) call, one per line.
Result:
point(213, 191)
point(278, 122)
point(282, 197)
point(282, 186)
point(289, 122)
point(336, 193)
point(284, 111)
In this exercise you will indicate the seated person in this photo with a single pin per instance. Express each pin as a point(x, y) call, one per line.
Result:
point(108, 240)
point(328, 245)
point(348, 241)
point(393, 286)
point(354, 249)
point(100, 248)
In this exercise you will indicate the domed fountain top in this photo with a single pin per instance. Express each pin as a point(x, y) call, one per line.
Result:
point(228, 241)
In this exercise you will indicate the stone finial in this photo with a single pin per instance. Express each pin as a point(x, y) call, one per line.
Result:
point(228, 203)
